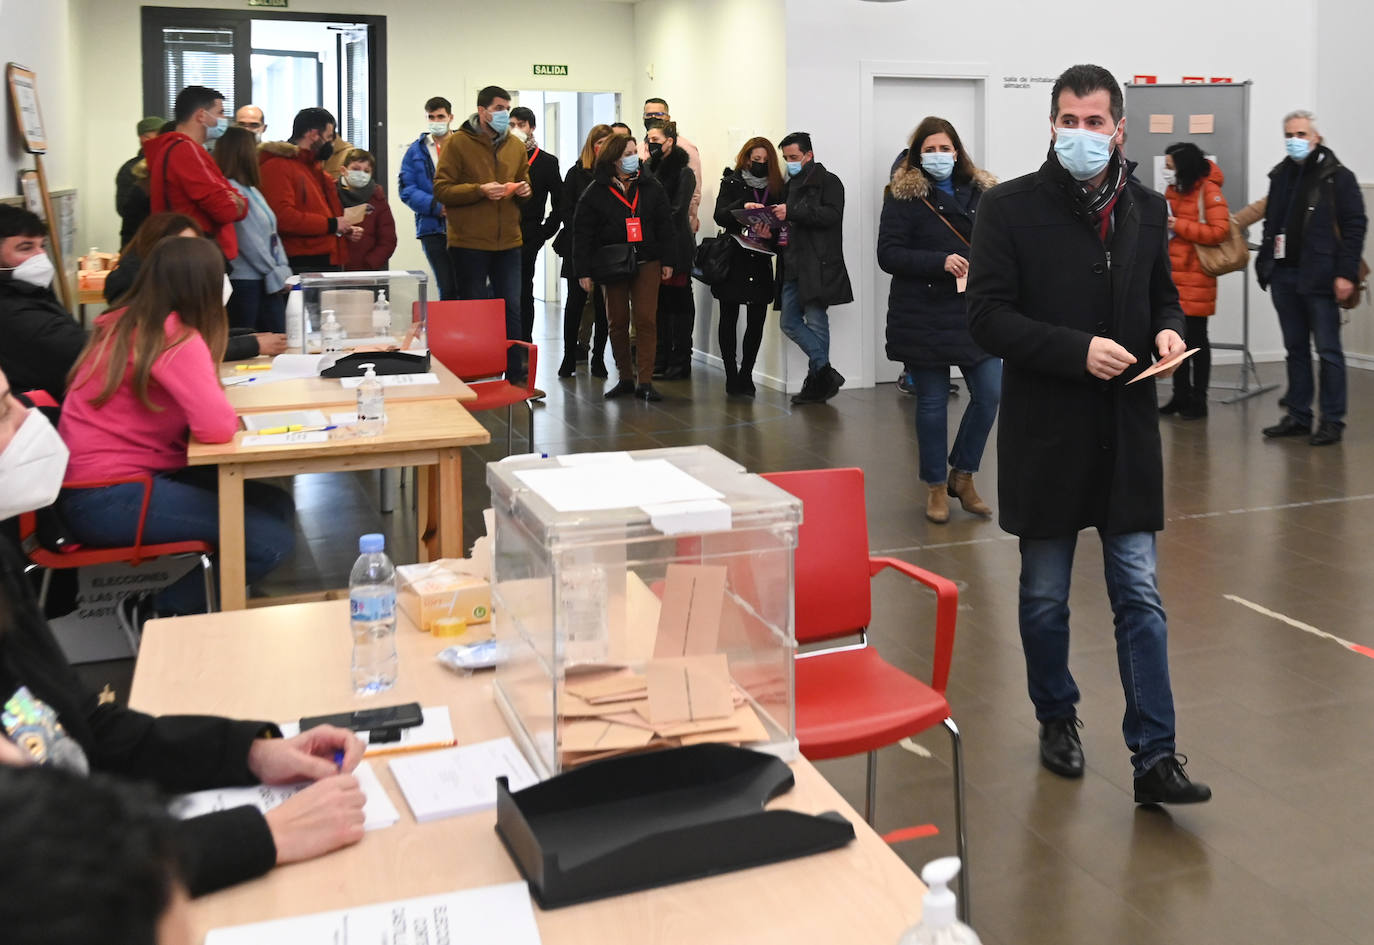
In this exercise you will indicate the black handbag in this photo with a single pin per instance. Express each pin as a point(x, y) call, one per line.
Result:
point(712, 262)
point(614, 263)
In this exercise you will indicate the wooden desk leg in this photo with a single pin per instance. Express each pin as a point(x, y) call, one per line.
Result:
point(233, 581)
point(426, 506)
point(450, 503)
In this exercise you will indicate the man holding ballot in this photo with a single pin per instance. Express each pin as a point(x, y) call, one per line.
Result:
point(1069, 284)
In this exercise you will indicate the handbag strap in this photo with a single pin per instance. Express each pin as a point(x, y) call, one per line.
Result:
point(947, 223)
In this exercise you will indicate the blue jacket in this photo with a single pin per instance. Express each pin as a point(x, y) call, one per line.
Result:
point(417, 189)
point(261, 255)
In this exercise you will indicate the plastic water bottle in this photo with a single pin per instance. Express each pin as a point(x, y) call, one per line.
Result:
point(331, 333)
point(295, 319)
point(371, 404)
point(372, 614)
point(381, 315)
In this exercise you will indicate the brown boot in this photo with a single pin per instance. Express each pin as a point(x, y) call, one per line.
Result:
point(937, 509)
point(960, 486)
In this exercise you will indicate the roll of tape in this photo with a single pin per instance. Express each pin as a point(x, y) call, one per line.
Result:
point(449, 627)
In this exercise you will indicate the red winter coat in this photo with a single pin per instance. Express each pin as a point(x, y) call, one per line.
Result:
point(183, 178)
point(1197, 291)
point(373, 251)
point(305, 199)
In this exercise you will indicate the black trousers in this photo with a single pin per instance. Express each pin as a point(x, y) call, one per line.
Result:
point(316, 263)
point(529, 255)
point(572, 319)
point(1194, 375)
point(753, 334)
point(677, 316)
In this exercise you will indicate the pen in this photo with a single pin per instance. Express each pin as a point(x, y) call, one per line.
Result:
point(338, 759)
point(252, 367)
point(293, 428)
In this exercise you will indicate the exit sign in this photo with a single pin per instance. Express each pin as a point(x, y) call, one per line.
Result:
point(550, 70)
point(268, 3)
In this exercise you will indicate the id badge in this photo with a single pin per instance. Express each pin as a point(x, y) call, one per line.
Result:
point(634, 230)
point(1280, 245)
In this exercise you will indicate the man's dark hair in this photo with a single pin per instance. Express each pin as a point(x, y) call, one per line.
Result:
point(89, 860)
point(490, 94)
point(438, 102)
point(16, 221)
point(800, 138)
point(1084, 80)
point(521, 113)
point(311, 119)
point(661, 101)
point(192, 99)
point(621, 124)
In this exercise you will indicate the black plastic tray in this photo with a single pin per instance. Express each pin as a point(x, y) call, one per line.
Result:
point(647, 820)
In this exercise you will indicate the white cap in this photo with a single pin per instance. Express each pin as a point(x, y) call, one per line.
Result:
point(369, 372)
point(381, 295)
point(329, 315)
point(938, 907)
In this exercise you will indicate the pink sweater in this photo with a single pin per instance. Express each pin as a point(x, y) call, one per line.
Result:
point(122, 437)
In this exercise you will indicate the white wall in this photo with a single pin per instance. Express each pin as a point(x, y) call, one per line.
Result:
point(37, 34)
point(718, 63)
point(829, 40)
point(432, 49)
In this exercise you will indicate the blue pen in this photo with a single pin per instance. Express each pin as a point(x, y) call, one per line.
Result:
point(338, 759)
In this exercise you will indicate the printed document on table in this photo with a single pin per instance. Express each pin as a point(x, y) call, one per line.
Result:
point(615, 485)
point(378, 811)
point(488, 915)
point(253, 422)
point(460, 781)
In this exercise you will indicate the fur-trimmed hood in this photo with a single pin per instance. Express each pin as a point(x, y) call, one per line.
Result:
point(282, 149)
point(911, 183)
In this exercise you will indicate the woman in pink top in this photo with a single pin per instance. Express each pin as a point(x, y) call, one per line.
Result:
point(147, 380)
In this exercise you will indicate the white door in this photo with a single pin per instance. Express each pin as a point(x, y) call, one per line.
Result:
point(899, 104)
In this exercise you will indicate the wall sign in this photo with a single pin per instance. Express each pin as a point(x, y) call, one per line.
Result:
point(268, 3)
point(550, 70)
point(24, 98)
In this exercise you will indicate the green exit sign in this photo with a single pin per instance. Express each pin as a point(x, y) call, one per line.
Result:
point(550, 70)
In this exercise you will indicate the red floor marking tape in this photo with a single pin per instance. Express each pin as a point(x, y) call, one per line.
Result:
point(911, 833)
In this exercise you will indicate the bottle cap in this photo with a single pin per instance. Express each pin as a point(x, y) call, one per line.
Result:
point(449, 627)
point(381, 296)
point(938, 906)
point(372, 543)
point(369, 372)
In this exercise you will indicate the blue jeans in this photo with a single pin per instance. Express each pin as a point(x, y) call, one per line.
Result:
point(984, 381)
point(184, 507)
point(253, 307)
point(809, 327)
point(435, 246)
point(1303, 316)
point(493, 274)
point(1142, 651)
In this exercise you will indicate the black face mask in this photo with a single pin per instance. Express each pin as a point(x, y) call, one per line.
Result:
point(758, 168)
point(655, 150)
point(324, 151)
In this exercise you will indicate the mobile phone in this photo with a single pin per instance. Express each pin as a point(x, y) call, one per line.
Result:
point(363, 720)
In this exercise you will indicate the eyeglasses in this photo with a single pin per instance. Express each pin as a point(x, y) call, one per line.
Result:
point(655, 114)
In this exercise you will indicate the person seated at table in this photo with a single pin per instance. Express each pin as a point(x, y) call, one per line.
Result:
point(39, 339)
point(244, 343)
point(47, 717)
point(146, 382)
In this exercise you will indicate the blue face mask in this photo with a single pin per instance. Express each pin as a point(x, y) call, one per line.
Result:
point(217, 129)
point(500, 121)
point(1298, 148)
point(1082, 153)
point(629, 163)
point(938, 164)
point(794, 168)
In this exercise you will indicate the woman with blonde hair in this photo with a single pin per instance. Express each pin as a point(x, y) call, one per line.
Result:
point(575, 183)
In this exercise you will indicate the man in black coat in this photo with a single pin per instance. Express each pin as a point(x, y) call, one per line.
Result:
point(131, 194)
point(1070, 284)
point(39, 339)
point(546, 187)
point(811, 271)
point(1314, 227)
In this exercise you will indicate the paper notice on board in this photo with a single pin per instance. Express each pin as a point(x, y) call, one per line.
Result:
point(1201, 124)
point(1161, 124)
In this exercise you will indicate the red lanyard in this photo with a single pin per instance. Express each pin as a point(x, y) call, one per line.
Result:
point(530, 162)
point(633, 206)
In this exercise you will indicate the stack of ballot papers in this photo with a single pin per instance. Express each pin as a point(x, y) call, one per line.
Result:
point(378, 811)
point(460, 781)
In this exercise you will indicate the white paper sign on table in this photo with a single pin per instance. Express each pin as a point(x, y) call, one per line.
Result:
point(460, 781)
point(253, 422)
point(594, 459)
point(286, 439)
point(488, 915)
point(378, 811)
point(615, 485)
point(394, 380)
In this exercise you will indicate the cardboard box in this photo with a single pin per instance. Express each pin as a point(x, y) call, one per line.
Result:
point(444, 588)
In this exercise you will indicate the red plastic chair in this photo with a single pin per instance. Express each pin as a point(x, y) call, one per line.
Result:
point(848, 698)
point(469, 338)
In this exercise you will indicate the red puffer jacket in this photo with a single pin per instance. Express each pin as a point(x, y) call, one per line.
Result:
point(305, 199)
point(1197, 291)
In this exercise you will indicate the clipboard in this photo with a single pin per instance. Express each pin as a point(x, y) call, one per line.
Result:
point(1164, 365)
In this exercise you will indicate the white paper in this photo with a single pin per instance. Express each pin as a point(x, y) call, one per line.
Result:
point(459, 781)
point(593, 459)
point(378, 811)
point(615, 486)
point(292, 366)
point(393, 380)
point(343, 418)
point(681, 518)
point(363, 275)
point(488, 915)
point(285, 439)
point(253, 422)
point(434, 731)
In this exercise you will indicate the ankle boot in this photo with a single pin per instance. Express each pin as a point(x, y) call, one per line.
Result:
point(937, 509)
point(569, 364)
point(731, 377)
point(960, 486)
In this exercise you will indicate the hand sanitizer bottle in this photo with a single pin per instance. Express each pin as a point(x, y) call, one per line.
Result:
point(939, 924)
point(331, 333)
point(381, 315)
point(295, 319)
point(371, 404)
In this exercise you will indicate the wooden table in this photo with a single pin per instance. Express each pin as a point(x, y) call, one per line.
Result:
point(418, 433)
point(293, 660)
point(324, 392)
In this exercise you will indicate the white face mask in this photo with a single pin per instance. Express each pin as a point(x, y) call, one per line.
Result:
point(36, 271)
point(228, 291)
point(357, 179)
point(31, 467)
point(1170, 177)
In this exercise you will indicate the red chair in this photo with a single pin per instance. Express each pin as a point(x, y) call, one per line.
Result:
point(469, 338)
point(848, 698)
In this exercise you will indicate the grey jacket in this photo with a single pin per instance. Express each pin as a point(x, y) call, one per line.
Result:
point(260, 251)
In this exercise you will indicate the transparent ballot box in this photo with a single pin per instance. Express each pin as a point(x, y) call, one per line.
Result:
point(353, 296)
point(642, 600)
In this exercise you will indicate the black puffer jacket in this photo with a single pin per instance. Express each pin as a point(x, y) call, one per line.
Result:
point(750, 281)
point(601, 216)
point(927, 317)
point(39, 339)
point(679, 183)
point(575, 184)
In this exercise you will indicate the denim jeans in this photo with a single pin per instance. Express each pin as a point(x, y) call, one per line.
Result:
point(1303, 316)
point(984, 381)
point(1142, 651)
point(435, 246)
point(184, 507)
point(809, 327)
point(493, 274)
point(253, 307)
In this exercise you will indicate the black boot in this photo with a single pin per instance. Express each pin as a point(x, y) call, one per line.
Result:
point(731, 377)
point(599, 366)
point(1165, 783)
point(830, 382)
point(569, 364)
point(811, 391)
point(1194, 409)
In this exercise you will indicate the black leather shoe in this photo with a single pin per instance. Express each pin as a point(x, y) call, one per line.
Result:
point(1288, 426)
point(1327, 433)
point(568, 366)
point(1061, 751)
point(810, 392)
point(830, 382)
point(678, 372)
point(1165, 783)
point(622, 389)
point(1173, 406)
point(648, 392)
point(1195, 409)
